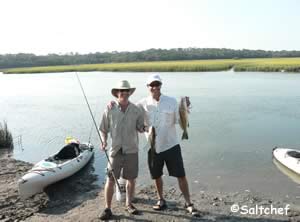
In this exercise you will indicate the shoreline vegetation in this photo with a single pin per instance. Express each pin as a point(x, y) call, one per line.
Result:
point(6, 140)
point(237, 65)
point(150, 55)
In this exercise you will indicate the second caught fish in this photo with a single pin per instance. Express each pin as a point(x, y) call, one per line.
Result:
point(152, 138)
point(183, 114)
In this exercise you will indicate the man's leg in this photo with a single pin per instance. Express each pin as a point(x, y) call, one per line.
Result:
point(184, 187)
point(115, 168)
point(159, 188)
point(161, 203)
point(109, 192)
point(130, 173)
point(130, 187)
point(156, 164)
point(175, 167)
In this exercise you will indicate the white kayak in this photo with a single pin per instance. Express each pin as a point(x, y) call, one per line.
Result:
point(53, 169)
point(291, 174)
point(289, 158)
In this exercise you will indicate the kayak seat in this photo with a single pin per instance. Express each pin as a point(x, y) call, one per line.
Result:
point(69, 151)
point(294, 154)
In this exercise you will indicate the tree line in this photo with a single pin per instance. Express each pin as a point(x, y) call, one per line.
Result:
point(32, 60)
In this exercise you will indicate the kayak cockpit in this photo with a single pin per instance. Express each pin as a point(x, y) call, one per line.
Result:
point(293, 154)
point(68, 152)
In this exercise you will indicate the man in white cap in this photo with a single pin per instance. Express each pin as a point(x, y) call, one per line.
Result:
point(123, 121)
point(161, 112)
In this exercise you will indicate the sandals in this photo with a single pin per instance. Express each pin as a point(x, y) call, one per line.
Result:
point(106, 214)
point(131, 209)
point(191, 210)
point(160, 205)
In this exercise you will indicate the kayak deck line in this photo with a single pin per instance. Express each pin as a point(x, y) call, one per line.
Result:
point(38, 171)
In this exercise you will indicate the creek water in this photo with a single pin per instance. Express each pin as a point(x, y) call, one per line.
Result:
point(236, 120)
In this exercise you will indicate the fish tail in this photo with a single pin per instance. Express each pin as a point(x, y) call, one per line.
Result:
point(185, 135)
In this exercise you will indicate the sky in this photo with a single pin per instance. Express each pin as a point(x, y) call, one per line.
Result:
point(88, 26)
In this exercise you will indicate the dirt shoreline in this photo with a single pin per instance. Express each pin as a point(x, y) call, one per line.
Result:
point(80, 199)
point(12, 208)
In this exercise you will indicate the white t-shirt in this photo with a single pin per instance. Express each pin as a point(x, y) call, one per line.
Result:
point(162, 115)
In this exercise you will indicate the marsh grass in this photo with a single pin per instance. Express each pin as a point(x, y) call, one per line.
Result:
point(270, 65)
point(6, 140)
point(241, 65)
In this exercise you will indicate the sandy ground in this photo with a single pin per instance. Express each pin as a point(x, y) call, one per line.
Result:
point(80, 199)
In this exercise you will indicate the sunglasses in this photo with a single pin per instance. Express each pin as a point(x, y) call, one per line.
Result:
point(124, 90)
point(155, 84)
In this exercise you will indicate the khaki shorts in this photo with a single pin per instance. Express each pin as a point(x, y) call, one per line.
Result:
point(127, 163)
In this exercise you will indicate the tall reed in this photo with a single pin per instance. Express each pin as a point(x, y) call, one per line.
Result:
point(6, 140)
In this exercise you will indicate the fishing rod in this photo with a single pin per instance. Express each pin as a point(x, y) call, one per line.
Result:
point(95, 124)
point(91, 130)
point(90, 134)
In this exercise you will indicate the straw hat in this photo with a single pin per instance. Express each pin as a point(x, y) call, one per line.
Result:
point(124, 84)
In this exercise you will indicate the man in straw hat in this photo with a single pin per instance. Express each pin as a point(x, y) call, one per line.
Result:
point(161, 112)
point(123, 121)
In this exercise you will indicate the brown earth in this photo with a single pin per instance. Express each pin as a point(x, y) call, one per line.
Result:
point(80, 199)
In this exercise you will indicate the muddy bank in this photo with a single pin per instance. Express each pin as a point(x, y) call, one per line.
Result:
point(80, 199)
point(212, 207)
point(12, 208)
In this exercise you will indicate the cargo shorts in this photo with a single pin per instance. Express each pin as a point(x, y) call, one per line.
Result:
point(125, 165)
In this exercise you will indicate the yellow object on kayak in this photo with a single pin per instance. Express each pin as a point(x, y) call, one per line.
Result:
point(70, 139)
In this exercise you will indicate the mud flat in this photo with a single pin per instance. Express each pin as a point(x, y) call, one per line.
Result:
point(79, 198)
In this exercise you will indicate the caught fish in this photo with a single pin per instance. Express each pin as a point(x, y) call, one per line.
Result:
point(183, 114)
point(152, 137)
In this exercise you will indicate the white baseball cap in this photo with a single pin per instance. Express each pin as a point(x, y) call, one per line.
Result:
point(153, 78)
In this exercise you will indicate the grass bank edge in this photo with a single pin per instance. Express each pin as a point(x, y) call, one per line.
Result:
point(260, 64)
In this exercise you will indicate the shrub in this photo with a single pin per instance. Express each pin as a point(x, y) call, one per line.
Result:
point(6, 140)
